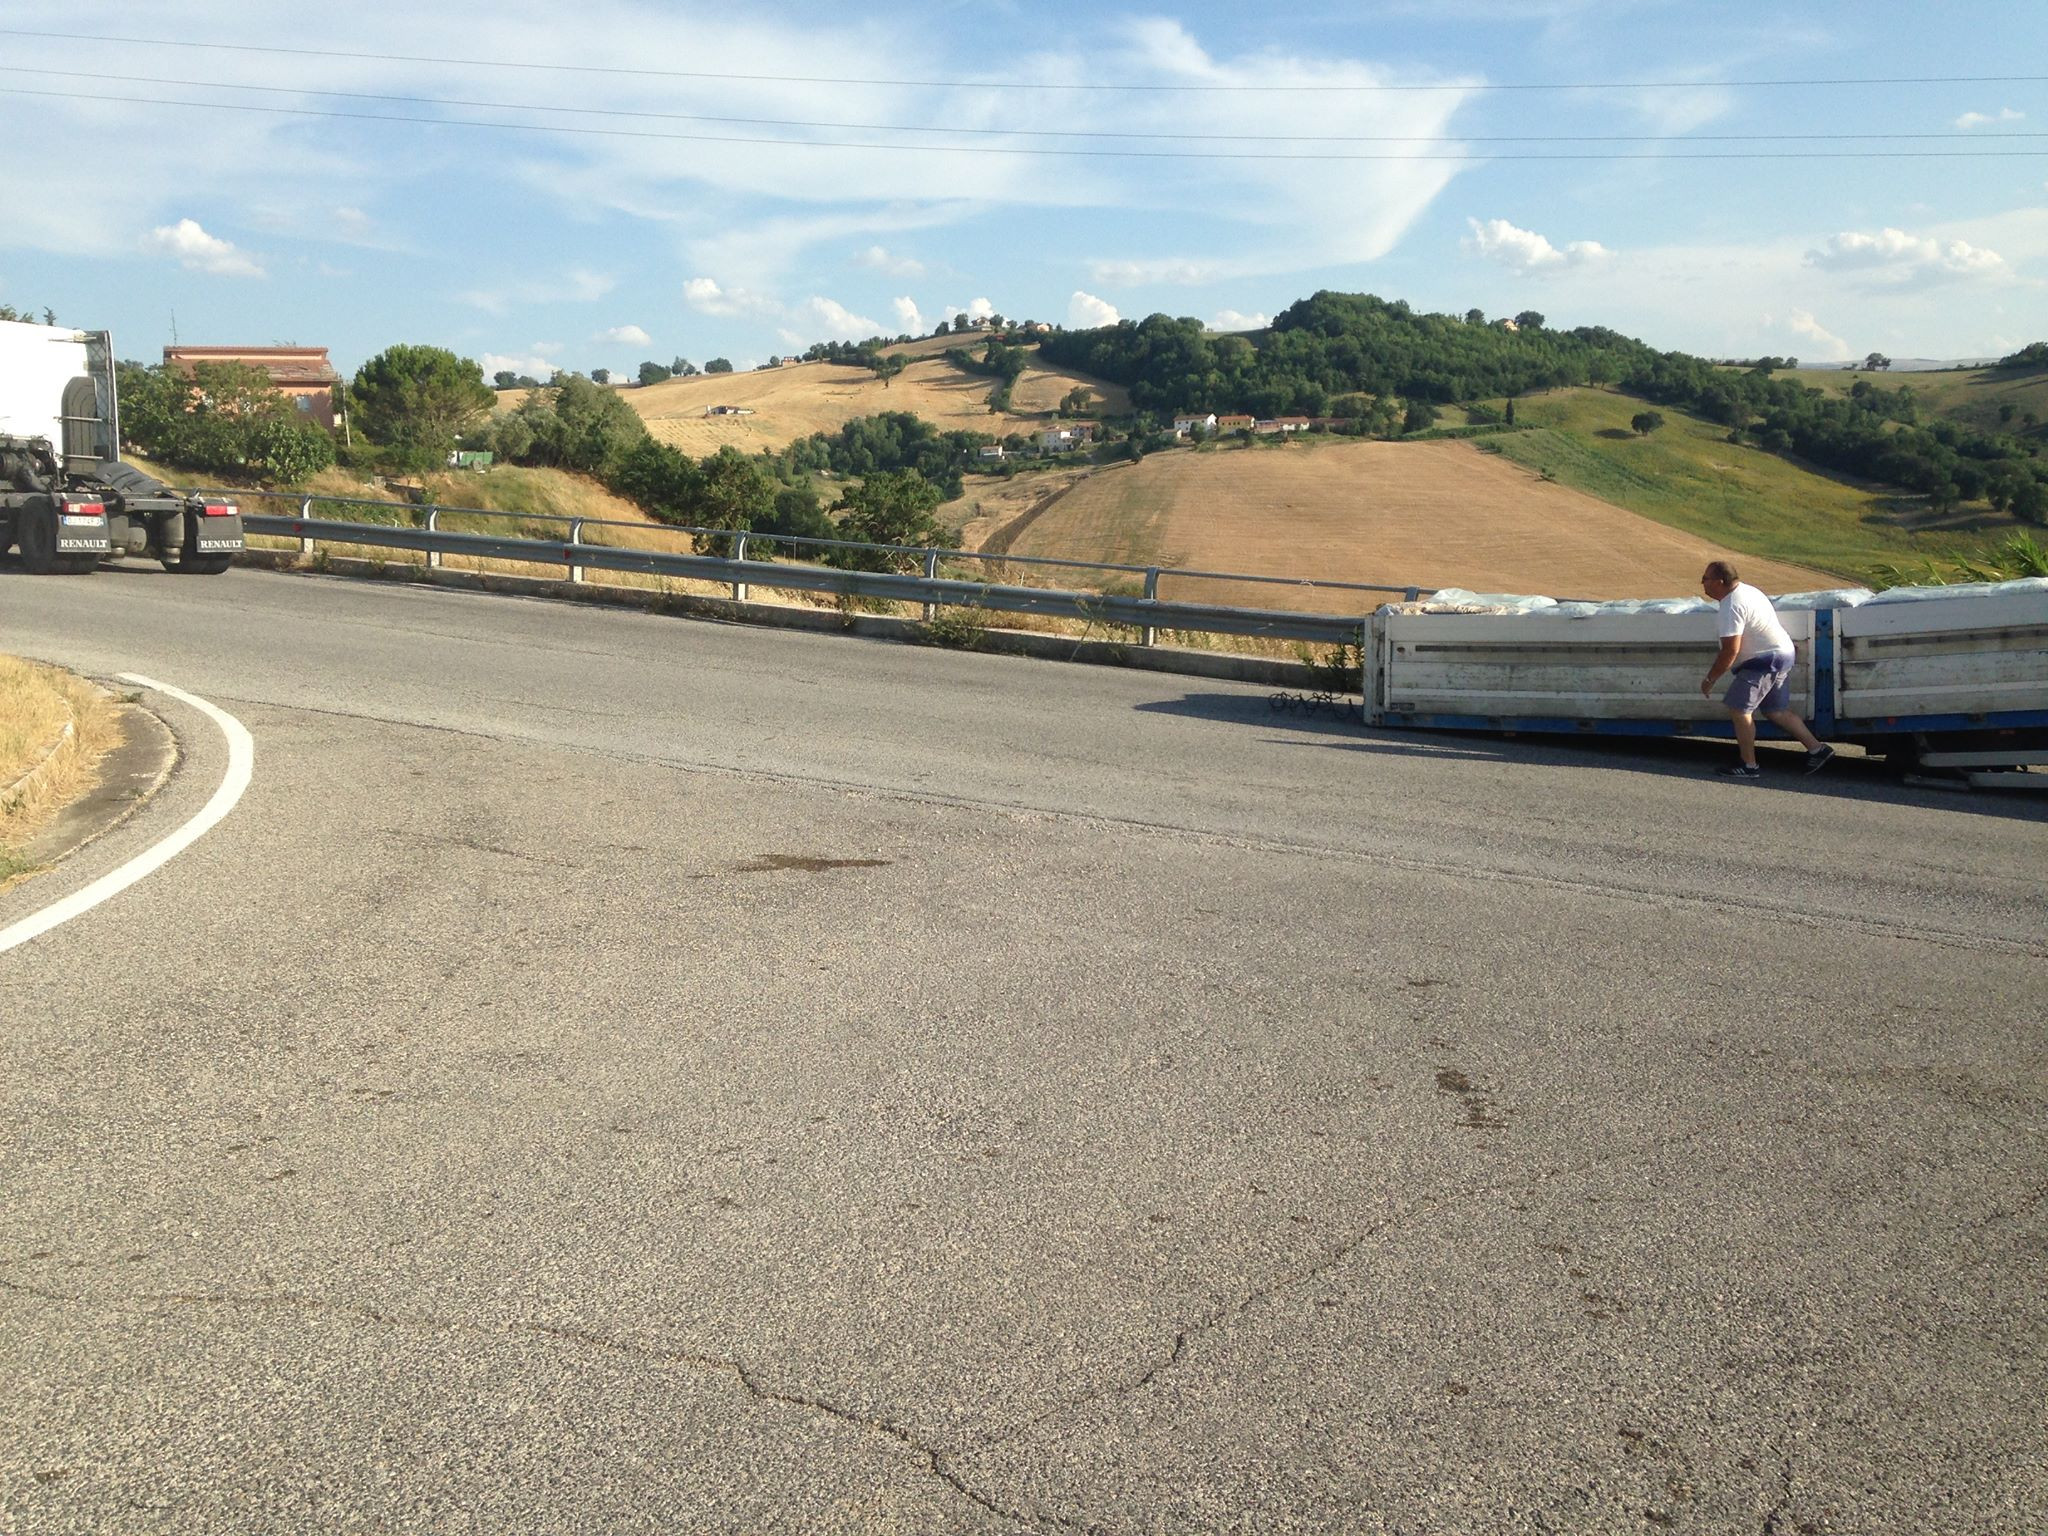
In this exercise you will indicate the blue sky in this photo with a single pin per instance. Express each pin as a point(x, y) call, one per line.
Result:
point(664, 226)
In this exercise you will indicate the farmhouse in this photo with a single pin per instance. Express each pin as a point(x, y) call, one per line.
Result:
point(303, 375)
point(1235, 423)
point(1061, 439)
point(1194, 426)
point(728, 410)
point(1280, 426)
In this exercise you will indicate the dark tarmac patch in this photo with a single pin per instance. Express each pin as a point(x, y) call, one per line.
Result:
point(809, 864)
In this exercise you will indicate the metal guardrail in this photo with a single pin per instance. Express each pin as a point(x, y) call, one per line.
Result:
point(1148, 614)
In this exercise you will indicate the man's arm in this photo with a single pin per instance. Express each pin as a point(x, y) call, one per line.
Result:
point(1731, 645)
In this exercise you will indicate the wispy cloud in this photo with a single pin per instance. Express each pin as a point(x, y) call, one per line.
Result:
point(197, 251)
point(576, 286)
point(822, 319)
point(1985, 119)
point(629, 335)
point(876, 259)
point(1233, 320)
point(1525, 251)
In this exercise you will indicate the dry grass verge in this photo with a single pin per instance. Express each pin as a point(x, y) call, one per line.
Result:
point(43, 765)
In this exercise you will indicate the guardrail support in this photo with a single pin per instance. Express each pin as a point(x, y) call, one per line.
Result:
point(575, 538)
point(739, 552)
point(931, 573)
point(433, 526)
point(1148, 635)
point(306, 516)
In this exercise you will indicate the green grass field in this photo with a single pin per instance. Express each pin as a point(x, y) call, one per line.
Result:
point(1971, 396)
point(1688, 475)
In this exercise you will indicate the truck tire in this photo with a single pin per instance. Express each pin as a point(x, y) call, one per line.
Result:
point(36, 532)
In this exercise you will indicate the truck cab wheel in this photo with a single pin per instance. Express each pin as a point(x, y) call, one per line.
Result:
point(37, 534)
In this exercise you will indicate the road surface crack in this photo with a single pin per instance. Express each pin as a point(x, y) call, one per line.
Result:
point(934, 1460)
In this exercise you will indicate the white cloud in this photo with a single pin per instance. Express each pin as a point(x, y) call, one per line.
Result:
point(1893, 256)
point(1085, 311)
point(1525, 251)
point(1802, 325)
point(629, 335)
point(877, 259)
point(707, 297)
point(534, 365)
point(908, 316)
point(1979, 119)
point(822, 319)
point(977, 309)
point(197, 251)
point(1232, 320)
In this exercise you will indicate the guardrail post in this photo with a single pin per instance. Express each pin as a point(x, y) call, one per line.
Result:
point(1148, 635)
point(306, 516)
point(575, 538)
point(433, 525)
point(739, 552)
point(931, 573)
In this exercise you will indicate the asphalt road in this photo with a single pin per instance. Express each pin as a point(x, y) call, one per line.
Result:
point(621, 1074)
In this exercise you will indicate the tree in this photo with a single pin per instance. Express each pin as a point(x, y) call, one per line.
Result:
point(682, 368)
point(1529, 320)
point(289, 451)
point(890, 508)
point(1646, 422)
point(1421, 416)
point(731, 493)
point(1877, 362)
point(418, 400)
point(505, 378)
point(654, 373)
point(718, 365)
point(600, 375)
point(1475, 317)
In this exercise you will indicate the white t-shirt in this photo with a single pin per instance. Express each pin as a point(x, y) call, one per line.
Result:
point(1748, 613)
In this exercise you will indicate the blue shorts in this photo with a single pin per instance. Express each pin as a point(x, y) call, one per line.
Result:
point(1758, 685)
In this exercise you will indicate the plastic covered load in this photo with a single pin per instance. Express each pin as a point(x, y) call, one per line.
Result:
point(1962, 589)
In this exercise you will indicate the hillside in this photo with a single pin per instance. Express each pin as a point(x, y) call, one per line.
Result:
point(797, 399)
point(1688, 476)
point(1430, 514)
point(1972, 396)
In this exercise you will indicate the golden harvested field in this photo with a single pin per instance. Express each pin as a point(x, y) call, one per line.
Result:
point(1434, 514)
point(797, 399)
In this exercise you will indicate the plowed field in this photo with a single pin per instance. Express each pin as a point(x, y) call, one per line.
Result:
point(1437, 514)
point(797, 399)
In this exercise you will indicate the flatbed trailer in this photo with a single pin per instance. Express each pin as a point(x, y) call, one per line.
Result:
point(1936, 682)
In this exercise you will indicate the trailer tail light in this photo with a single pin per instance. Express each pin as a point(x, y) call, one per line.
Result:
point(85, 509)
point(218, 508)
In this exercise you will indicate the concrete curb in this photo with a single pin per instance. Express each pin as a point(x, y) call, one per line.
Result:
point(1003, 642)
point(129, 775)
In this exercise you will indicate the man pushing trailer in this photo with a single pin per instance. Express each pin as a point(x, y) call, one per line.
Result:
point(1756, 653)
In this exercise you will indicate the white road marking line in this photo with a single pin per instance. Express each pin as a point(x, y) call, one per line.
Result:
point(241, 766)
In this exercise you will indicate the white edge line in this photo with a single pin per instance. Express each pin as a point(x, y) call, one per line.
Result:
point(241, 767)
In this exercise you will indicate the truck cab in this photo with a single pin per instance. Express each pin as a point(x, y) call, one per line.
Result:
point(67, 502)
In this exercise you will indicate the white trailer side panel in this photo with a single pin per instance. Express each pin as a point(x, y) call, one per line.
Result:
point(1981, 654)
point(1644, 666)
point(36, 362)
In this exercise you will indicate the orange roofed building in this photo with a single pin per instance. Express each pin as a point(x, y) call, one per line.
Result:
point(303, 375)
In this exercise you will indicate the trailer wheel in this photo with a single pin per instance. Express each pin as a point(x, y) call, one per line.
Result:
point(36, 532)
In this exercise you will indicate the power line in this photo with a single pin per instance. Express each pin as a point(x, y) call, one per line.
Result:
point(1032, 85)
point(1009, 149)
point(1056, 133)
